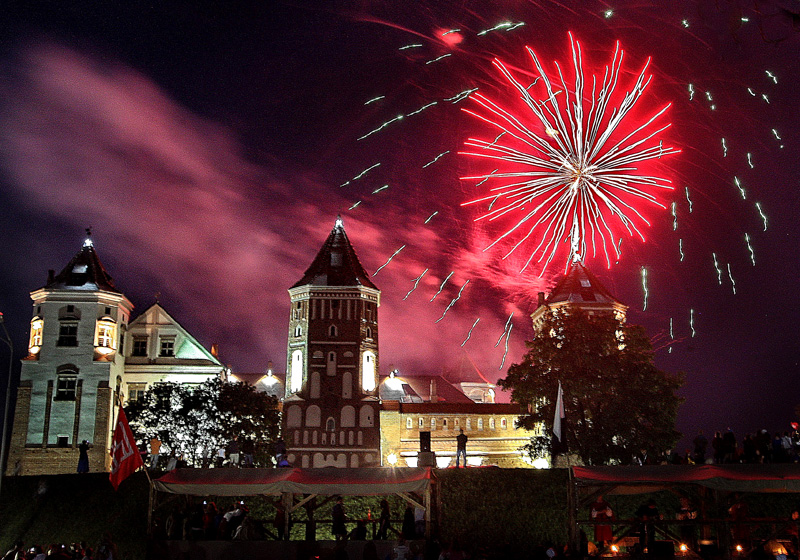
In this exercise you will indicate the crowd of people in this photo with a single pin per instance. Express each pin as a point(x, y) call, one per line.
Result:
point(105, 550)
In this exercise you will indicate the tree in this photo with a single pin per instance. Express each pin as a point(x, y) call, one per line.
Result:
point(196, 421)
point(616, 401)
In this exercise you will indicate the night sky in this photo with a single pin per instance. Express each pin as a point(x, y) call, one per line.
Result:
point(210, 150)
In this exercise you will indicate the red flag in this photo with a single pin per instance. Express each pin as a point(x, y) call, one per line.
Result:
point(125, 458)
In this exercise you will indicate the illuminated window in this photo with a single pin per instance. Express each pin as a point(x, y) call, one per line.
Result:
point(167, 347)
point(106, 335)
point(297, 371)
point(456, 423)
point(35, 342)
point(298, 331)
point(139, 346)
point(368, 371)
point(67, 334)
point(409, 423)
point(65, 386)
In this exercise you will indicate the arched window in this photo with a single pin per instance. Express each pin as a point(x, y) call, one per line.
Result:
point(409, 423)
point(35, 342)
point(293, 416)
point(314, 385)
point(366, 416)
point(503, 423)
point(297, 371)
point(421, 422)
point(469, 424)
point(444, 424)
point(298, 331)
point(353, 461)
point(347, 385)
point(313, 416)
point(330, 425)
point(348, 417)
point(491, 423)
point(480, 423)
point(369, 332)
point(331, 369)
point(333, 332)
point(368, 371)
point(433, 424)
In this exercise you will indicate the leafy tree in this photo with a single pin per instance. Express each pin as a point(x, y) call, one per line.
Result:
point(616, 401)
point(196, 421)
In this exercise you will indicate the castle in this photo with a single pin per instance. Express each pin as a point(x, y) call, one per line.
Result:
point(87, 357)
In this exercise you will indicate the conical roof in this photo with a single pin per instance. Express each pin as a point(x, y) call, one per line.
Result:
point(579, 285)
point(336, 264)
point(84, 272)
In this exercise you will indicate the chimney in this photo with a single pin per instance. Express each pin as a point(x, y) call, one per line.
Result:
point(541, 299)
point(434, 396)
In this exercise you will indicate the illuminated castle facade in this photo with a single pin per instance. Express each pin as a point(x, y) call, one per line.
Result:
point(86, 358)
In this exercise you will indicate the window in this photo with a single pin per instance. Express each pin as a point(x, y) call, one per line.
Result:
point(67, 334)
point(65, 386)
point(330, 425)
point(444, 424)
point(457, 423)
point(314, 386)
point(331, 365)
point(421, 422)
point(480, 423)
point(469, 424)
point(503, 423)
point(106, 335)
point(135, 391)
point(297, 371)
point(298, 331)
point(35, 343)
point(333, 332)
point(167, 347)
point(368, 371)
point(348, 417)
point(369, 332)
point(139, 346)
point(491, 423)
point(409, 423)
point(347, 385)
point(313, 416)
point(366, 417)
point(433, 424)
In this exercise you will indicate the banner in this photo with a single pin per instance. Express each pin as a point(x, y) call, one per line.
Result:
point(559, 414)
point(125, 458)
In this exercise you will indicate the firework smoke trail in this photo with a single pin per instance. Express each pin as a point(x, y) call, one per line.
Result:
point(416, 283)
point(577, 179)
point(469, 334)
point(390, 260)
point(452, 302)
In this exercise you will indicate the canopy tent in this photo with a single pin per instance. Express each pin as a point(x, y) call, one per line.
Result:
point(325, 482)
point(728, 478)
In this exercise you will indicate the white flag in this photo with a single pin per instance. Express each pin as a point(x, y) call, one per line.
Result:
point(559, 415)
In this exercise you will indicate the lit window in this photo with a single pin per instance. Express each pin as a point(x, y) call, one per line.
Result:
point(139, 346)
point(67, 334)
point(167, 347)
point(297, 371)
point(368, 371)
point(105, 338)
point(369, 332)
point(491, 423)
point(298, 331)
point(35, 343)
point(65, 386)
point(457, 423)
point(409, 423)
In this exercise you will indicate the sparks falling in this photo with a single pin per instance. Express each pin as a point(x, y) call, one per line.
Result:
point(452, 302)
point(740, 187)
point(388, 261)
point(674, 216)
point(761, 213)
point(580, 176)
point(357, 177)
point(691, 322)
point(730, 277)
point(416, 283)
point(644, 288)
point(750, 248)
point(689, 200)
point(469, 334)
point(680, 248)
point(717, 268)
point(441, 287)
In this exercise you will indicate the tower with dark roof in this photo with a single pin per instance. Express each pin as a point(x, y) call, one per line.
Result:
point(579, 289)
point(331, 410)
point(72, 374)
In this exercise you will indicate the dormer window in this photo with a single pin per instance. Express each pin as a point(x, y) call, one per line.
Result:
point(167, 347)
point(35, 342)
point(139, 346)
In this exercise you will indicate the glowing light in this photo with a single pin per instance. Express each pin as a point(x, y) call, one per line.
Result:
point(381, 127)
point(689, 200)
point(671, 331)
point(438, 58)
point(608, 13)
point(680, 248)
point(761, 212)
point(357, 177)
point(614, 548)
point(691, 92)
point(683, 547)
point(374, 99)
point(685, 23)
point(739, 548)
point(441, 287)
point(750, 248)
point(434, 160)
point(764, 97)
point(430, 217)
point(429, 105)
point(88, 242)
point(483, 181)
point(739, 186)
point(778, 136)
point(461, 95)
point(730, 276)
point(717, 268)
point(691, 322)
point(443, 462)
point(644, 288)
point(339, 223)
point(388, 261)
point(446, 33)
point(452, 302)
point(751, 92)
point(469, 334)
point(577, 177)
point(541, 463)
point(391, 458)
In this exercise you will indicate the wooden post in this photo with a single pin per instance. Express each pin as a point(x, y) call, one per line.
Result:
point(286, 499)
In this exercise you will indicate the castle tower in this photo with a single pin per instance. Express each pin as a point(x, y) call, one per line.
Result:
point(331, 410)
point(579, 289)
point(72, 375)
